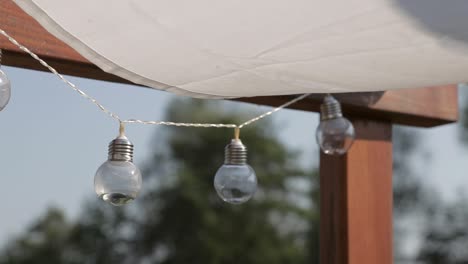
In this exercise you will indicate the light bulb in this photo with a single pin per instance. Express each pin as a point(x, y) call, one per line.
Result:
point(235, 181)
point(118, 180)
point(5, 90)
point(335, 134)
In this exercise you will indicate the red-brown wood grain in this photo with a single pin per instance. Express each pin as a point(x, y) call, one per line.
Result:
point(29, 33)
point(422, 107)
point(356, 199)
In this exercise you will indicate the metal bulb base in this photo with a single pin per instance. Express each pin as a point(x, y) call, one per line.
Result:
point(120, 149)
point(330, 108)
point(235, 153)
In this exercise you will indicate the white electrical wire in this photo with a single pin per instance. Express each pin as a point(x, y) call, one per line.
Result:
point(116, 117)
point(54, 71)
point(255, 119)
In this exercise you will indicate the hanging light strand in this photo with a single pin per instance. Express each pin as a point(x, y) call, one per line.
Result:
point(255, 119)
point(56, 73)
point(144, 122)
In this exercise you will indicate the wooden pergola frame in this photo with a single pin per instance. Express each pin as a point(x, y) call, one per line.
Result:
point(356, 189)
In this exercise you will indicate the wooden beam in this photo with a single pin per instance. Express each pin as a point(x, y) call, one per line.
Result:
point(425, 107)
point(422, 107)
point(356, 199)
point(29, 33)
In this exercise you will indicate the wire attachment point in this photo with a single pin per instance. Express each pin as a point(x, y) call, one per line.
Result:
point(236, 132)
point(121, 129)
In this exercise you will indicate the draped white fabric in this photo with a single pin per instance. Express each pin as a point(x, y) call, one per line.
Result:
point(218, 48)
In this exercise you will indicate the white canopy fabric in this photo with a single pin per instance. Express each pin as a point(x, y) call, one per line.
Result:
point(220, 49)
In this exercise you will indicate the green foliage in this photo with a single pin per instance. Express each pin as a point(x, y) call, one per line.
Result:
point(408, 191)
point(445, 233)
point(43, 242)
point(179, 219)
point(445, 226)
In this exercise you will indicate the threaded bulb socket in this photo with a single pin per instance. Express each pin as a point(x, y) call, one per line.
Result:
point(120, 149)
point(235, 153)
point(330, 108)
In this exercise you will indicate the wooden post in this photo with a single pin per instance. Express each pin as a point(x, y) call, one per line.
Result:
point(356, 199)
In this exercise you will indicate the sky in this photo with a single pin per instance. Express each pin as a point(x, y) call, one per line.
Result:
point(53, 141)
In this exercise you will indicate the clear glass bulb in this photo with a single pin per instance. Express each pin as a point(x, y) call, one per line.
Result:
point(235, 184)
point(5, 90)
point(335, 136)
point(117, 182)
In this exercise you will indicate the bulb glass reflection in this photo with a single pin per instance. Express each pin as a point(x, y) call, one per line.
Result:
point(235, 184)
point(5, 90)
point(335, 136)
point(117, 182)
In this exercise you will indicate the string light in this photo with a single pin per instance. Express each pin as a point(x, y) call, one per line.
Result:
point(335, 134)
point(5, 86)
point(235, 182)
point(118, 180)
